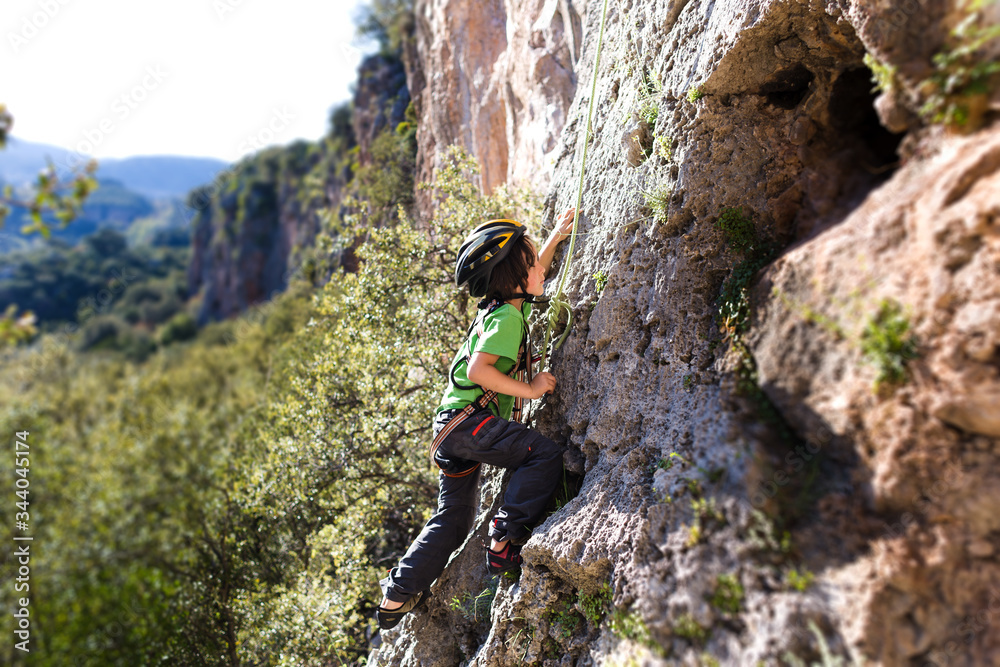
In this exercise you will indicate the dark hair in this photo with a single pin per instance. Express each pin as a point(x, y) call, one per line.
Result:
point(510, 276)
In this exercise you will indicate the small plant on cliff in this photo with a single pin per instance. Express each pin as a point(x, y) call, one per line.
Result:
point(629, 625)
point(475, 607)
point(690, 629)
point(649, 108)
point(799, 581)
point(728, 594)
point(695, 93)
point(883, 76)
point(662, 147)
point(601, 280)
point(827, 657)
point(565, 618)
point(668, 462)
point(957, 92)
point(658, 202)
point(706, 513)
point(762, 536)
point(596, 605)
point(738, 229)
point(741, 237)
point(886, 343)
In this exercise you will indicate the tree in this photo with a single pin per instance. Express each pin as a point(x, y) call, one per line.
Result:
point(52, 194)
point(389, 22)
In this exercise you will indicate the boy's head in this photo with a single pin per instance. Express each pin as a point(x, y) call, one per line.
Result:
point(495, 260)
point(510, 276)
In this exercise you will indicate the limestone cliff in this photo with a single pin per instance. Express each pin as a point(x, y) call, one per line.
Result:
point(256, 224)
point(845, 422)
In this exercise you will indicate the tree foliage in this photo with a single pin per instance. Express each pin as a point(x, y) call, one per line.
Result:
point(53, 195)
point(235, 499)
point(389, 22)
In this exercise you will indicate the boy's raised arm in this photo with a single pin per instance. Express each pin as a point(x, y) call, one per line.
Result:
point(562, 230)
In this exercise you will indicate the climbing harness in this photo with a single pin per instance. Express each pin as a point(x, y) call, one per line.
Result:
point(520, 371)
point(558, 302)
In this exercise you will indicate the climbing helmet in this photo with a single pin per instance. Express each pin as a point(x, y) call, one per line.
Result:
point(482, 250)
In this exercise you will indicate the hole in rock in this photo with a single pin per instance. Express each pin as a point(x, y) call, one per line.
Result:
point(853, 118)
point(788, 87)
point(566, 490)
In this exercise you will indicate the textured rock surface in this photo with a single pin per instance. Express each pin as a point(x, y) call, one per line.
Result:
point(498, 78)
point(929, 240)
point(886, 495)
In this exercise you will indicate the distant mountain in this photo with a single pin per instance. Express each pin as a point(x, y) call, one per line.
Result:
point(155, 176)
point(163, 175)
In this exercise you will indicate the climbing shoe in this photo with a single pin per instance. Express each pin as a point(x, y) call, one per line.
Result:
point(508, 558)
point(390, 618)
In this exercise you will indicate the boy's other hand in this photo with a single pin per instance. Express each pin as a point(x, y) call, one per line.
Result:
point(564, 224)
point(541, 384)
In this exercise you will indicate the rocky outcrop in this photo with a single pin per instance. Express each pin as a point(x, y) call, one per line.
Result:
point(245, 227)
point(250, 225)
point(714, 476)
point(380, 101)
point(497, 78)
point(929, 240)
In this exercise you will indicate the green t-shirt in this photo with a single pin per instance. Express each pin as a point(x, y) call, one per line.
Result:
point(502, 335)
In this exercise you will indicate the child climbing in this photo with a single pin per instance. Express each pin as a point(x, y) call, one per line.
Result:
point(474, 422)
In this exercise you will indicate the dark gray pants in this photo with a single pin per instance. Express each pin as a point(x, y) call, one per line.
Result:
point(537, 462)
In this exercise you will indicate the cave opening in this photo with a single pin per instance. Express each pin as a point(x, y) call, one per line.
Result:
point(854, 120)
point(788, 87)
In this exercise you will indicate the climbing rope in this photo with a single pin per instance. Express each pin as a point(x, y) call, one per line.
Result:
point(558, 302)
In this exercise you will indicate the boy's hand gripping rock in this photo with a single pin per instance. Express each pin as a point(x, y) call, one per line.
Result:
point(541, 384)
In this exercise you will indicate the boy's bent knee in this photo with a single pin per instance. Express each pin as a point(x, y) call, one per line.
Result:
point(546, 449)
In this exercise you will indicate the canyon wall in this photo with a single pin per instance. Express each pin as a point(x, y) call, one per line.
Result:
point(782, 437)
point(255, 226)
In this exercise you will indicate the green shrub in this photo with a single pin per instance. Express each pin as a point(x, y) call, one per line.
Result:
point(962, 72)
point(689, 629)
point(178, 328)
point(596, 605)
point(695, 93)
point(136, 345)
point(728, 594)
point(103, 331)
point(658, 202)
point(887, 344)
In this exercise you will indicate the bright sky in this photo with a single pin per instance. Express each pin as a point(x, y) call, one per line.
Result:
point(208, 78)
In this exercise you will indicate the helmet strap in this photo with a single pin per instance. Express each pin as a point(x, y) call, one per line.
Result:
point(486, 301)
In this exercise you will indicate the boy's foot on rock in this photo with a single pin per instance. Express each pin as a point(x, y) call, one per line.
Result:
point(506, 559)
point(390, 618)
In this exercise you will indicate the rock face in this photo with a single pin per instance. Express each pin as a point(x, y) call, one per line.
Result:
point(249, 225)
point(497, 78)
point(715, 477)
